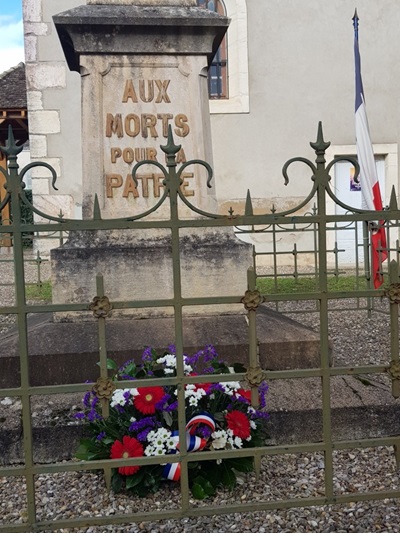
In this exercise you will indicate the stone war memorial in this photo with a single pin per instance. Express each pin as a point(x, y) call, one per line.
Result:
point(143, 68)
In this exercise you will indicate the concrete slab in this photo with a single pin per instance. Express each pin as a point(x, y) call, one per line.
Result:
point(62, 353)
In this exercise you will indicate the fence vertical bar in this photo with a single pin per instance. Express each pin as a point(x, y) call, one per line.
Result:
point(15, 188)
point(101, 309)
point(394, 298)
point(322, 180)
point(251, 303)
point(173, 184)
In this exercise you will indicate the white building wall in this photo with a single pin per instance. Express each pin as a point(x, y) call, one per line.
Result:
point(54, 110)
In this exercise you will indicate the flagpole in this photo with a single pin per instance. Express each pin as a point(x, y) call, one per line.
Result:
point(370, 191)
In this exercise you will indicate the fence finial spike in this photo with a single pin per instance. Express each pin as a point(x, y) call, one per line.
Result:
point(248, 210)
point(11, 148)
point(393, 200)
point(171, 148)
point(320, 145)
point(96, 208)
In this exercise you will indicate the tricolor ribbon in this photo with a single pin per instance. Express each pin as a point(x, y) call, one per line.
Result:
point(172, 471)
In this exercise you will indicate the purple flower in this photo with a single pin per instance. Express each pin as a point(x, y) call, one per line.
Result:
point(101, 436)
point(122, 368)
point(204, 432)
point(93, 415)
point(171, 349)
point(147, 355)
point(163, 401)
point(172, 407)
point(142, 436)
point(192, 360)
point(217, 387)
point(95, 401)
point(262, 391)
point(86, 399)
point(147, 422)
point(260, 414)
point(79, 416)
point(119, 408)
point(242, 399)
point(210, 353)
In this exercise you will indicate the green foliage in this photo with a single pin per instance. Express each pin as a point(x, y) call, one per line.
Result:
point(111, 364)
point(290, 285)
point(42, 291)
point(116, 481)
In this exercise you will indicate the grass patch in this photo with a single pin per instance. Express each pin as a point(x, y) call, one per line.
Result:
point(289, 285)
point(39, 292)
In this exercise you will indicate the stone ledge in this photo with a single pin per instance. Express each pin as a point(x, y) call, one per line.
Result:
point(61, 353)
point(286, 427)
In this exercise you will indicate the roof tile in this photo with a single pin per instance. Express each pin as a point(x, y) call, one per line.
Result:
point(13, 88)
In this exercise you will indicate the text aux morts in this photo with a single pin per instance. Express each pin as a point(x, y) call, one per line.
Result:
point(143, 126)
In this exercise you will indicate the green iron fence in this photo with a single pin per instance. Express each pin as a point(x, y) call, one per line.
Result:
point(318, 222)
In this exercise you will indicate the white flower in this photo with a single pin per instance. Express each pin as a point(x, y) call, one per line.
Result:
point(193, 401)
point(132, 419)
point(253, 425)
point(238, 442)
point(159, 450)
point(171, 443)
point(234, 385)
point(149, 450)
point(119, 396)
point(169, 370)
point(219, 439)
point(187, 369)
point(150, 435)
point(168, 360)
point(164, 433)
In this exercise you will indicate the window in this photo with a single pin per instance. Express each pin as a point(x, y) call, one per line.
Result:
point(218, 71)
point(230, 94)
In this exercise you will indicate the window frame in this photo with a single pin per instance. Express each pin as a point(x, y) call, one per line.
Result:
point(238, 65)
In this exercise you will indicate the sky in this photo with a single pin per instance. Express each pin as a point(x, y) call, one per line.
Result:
point(11, 34)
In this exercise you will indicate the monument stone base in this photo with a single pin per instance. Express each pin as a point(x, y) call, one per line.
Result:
point(138, 266)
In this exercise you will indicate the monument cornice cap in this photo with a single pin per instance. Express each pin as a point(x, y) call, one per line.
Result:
point(132, 29)
point(144, 2)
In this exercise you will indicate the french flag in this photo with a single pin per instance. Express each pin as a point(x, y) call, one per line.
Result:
point(370, 191)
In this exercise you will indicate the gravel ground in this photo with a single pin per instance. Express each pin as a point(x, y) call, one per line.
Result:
point(67, 495)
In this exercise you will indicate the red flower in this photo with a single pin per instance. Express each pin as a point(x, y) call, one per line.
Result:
point(204, 386)
point(245, 393)
point(239, 424)
point(146, 400)
point(129, 447)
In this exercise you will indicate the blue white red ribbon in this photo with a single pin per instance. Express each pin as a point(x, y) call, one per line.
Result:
point(172, 471)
